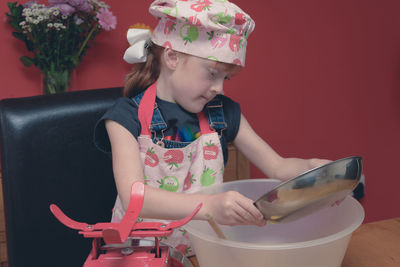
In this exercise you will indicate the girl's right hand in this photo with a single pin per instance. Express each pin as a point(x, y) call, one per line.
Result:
point(232, 208)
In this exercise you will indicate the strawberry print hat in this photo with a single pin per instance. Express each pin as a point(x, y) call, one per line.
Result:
point(211, 29)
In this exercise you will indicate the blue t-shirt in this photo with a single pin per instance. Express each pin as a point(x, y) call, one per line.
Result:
point(125, 112)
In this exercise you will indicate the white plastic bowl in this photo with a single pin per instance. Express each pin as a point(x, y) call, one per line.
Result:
point(319, 239)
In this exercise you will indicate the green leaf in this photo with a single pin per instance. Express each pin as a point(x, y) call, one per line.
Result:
point(27, 61)
point(29, 45)
point(15, 25)
point(15, 9)
point(75, 61)
point(12, 5)
point(19, 36)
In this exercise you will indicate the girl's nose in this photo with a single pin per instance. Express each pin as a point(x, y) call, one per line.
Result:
point(218, 88)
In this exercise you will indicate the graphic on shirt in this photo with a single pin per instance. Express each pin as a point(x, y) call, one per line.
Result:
point(207, 177)
point(210, 151)
point(169, 183)
point(173, 157)
point(187, 184)
point(186, 134)
point(151, 158)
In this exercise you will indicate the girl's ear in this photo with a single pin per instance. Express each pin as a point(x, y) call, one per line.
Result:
point(171, 58)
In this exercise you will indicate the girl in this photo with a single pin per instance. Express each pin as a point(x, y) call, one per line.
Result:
point(175, 94)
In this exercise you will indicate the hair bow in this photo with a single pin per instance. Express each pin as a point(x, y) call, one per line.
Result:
point(139, 39)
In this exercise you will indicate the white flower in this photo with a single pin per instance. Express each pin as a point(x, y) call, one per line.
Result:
point(64, 16)
point(50, 25)
point(26, 12)
point(35, 12)
point(58, 26)
point(56, 12)
point(22, 23)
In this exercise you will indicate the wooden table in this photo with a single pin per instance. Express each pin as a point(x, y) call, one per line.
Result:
point(375, 244)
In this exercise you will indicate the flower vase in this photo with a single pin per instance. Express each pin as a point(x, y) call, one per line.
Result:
point(56, 81)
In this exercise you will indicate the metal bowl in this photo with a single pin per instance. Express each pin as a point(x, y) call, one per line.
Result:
point(311, 191)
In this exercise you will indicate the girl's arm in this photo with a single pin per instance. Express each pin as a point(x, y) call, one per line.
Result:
point(229, 208)
point(266, 159)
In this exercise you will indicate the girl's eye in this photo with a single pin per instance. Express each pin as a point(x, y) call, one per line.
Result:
point(212, 74)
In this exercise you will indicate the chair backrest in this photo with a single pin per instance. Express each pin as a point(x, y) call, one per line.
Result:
point(48, 156)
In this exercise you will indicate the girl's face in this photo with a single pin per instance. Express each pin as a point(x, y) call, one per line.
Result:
point(196, 81)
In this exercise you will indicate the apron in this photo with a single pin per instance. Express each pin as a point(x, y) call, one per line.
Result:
point(169, 166)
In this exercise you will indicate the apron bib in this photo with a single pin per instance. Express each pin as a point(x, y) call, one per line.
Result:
point(188, 169)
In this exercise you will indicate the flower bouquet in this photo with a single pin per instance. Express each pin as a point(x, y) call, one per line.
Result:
point(58, 35)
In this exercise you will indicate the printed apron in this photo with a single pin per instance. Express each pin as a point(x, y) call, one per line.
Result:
point(186, 169)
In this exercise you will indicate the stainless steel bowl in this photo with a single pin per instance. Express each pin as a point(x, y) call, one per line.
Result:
point(311, 191)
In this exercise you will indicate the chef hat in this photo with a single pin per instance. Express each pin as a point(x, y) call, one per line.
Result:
point(211, 29)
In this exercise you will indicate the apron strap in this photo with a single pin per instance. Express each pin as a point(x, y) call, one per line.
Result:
point(216, 114)
point(146, 108)
point(203, 123)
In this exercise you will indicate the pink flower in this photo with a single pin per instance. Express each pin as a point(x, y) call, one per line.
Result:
point(29, 4)
point(81, 5)
point(106, 19)
point(85, 7)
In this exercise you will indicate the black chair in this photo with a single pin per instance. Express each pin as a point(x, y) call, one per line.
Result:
point(48, 156)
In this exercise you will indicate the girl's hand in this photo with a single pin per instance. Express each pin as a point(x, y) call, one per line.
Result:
point(232, 208)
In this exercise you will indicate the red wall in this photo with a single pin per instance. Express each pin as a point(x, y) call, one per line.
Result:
point(322, 80)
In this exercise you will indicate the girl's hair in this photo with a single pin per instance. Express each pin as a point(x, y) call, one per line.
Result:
point(144, 74)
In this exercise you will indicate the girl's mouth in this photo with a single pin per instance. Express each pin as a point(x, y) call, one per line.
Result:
point(205, 98)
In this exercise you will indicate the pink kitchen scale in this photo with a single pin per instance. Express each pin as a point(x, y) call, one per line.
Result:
point(122, 244)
